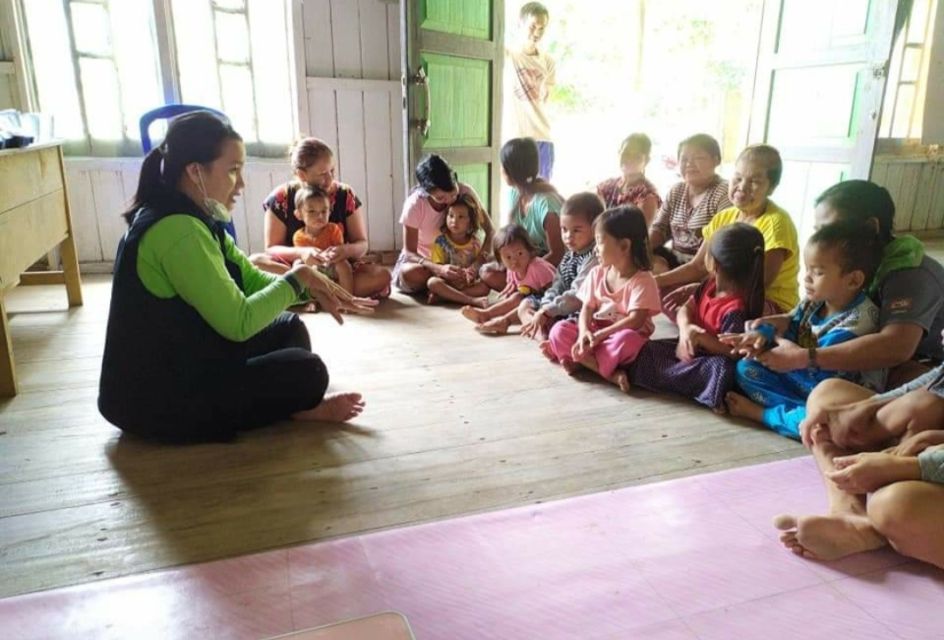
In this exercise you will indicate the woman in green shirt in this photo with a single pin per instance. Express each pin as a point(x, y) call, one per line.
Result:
point(533, 203)
point(198, 345)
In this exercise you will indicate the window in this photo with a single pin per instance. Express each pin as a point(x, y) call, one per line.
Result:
point(903, 108)
point(97, 65)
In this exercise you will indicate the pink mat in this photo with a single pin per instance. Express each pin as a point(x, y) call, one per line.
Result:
point(689, 558)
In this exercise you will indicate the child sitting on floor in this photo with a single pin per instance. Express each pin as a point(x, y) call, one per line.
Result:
point(537, 314)
point(528, 274)
point(698, 365)
point(312, 206)
point(840, 259)
point(619, 297)
point(459, 252)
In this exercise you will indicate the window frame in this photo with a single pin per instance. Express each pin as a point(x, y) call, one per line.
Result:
point(168, 75)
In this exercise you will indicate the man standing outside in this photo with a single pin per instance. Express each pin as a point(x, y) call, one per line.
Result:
point(531, 76)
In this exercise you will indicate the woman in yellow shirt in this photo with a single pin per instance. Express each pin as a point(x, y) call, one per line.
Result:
point(756, 174)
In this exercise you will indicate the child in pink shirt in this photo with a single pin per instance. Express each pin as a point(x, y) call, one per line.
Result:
point(528, 275)
point(620, 298)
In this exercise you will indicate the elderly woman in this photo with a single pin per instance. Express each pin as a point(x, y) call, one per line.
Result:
point(424, 213)
point(199, 346)
point(632, 187)
point(313, 163)
point(690, 204)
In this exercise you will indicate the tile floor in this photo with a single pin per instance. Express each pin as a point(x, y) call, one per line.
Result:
point(689, 558)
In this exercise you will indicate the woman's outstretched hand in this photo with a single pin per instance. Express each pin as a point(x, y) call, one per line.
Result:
point(329, 296)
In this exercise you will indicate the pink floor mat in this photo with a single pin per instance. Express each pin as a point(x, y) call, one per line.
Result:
point(689, 558)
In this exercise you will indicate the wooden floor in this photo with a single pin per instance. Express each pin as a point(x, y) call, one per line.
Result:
point(456, 423)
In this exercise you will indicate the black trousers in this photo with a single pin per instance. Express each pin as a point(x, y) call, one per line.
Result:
point(280, 377)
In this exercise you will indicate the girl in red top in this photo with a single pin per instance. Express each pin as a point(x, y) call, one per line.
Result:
point(698, 365)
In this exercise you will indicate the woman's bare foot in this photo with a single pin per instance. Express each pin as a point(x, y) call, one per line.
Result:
point(621, 380)
point(828, 537)
point(338, 407)
point(570, 366)
point(547, 351)
point(494, 327)
point(475, 315)
point(742, 407)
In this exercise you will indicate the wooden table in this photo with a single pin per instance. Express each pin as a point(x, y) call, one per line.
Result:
point(34, 220)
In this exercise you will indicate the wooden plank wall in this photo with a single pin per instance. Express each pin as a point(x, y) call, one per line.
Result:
point(9, 98)
point(916, 185)
point(352, 68)
point(100, 190)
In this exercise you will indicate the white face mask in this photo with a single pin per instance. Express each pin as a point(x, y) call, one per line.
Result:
point(216, 209)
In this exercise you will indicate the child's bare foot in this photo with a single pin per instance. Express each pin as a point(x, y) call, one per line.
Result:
point(741, 407)
point(621, 380)
point(494, 327)
point(338, 407)
point(547, 351)
point(475, 315)
point(432, 298)
point(828, 537)
point(570, 366)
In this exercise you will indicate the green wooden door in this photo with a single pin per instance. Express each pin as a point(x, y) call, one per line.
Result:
point(453, 80)
point(818, 94)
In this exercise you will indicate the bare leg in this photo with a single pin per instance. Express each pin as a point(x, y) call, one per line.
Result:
point(911, 516)
point(500, 324)
point(337, 407)
point(916, 411)
point(413, 277)
point(500, 308)
point(494, 277)
point(345, 275)
point(371, 280)
point(619, 377)
point(846, 529)
point(442, 289)
point(741, 406)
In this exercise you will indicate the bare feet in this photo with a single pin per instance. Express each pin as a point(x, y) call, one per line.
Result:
point(481, 302)
point(741, 407)
point(494, 327)
point(547, 351)
point(621, 380)
point(338, 407)
point(475, 315)
point(828, 537)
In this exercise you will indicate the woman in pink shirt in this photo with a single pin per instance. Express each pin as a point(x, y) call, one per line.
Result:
point(422, 220)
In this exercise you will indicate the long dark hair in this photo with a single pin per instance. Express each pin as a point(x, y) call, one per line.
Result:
point(860, 200)
point(628, 223)
point(192, 137)
point(738, 254)
point(519, 158)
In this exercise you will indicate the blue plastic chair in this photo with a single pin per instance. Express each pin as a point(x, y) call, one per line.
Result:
point(167, 112)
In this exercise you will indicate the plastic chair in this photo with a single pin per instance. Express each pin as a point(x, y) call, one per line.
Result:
point(167, 112)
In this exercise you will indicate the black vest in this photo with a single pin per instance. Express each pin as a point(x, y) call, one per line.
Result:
point(160, 355)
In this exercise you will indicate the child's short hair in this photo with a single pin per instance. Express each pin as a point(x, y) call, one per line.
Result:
point(704, 142)
point(511, 234)
point(635, 144)
point(535, 9)
point(585, 204)
point(765, 155)
point(307, 192)
point(628, 223)
point(856, 244)
point(475, 212)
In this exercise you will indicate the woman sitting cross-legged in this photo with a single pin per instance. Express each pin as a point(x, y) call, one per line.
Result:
point(198, 345)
